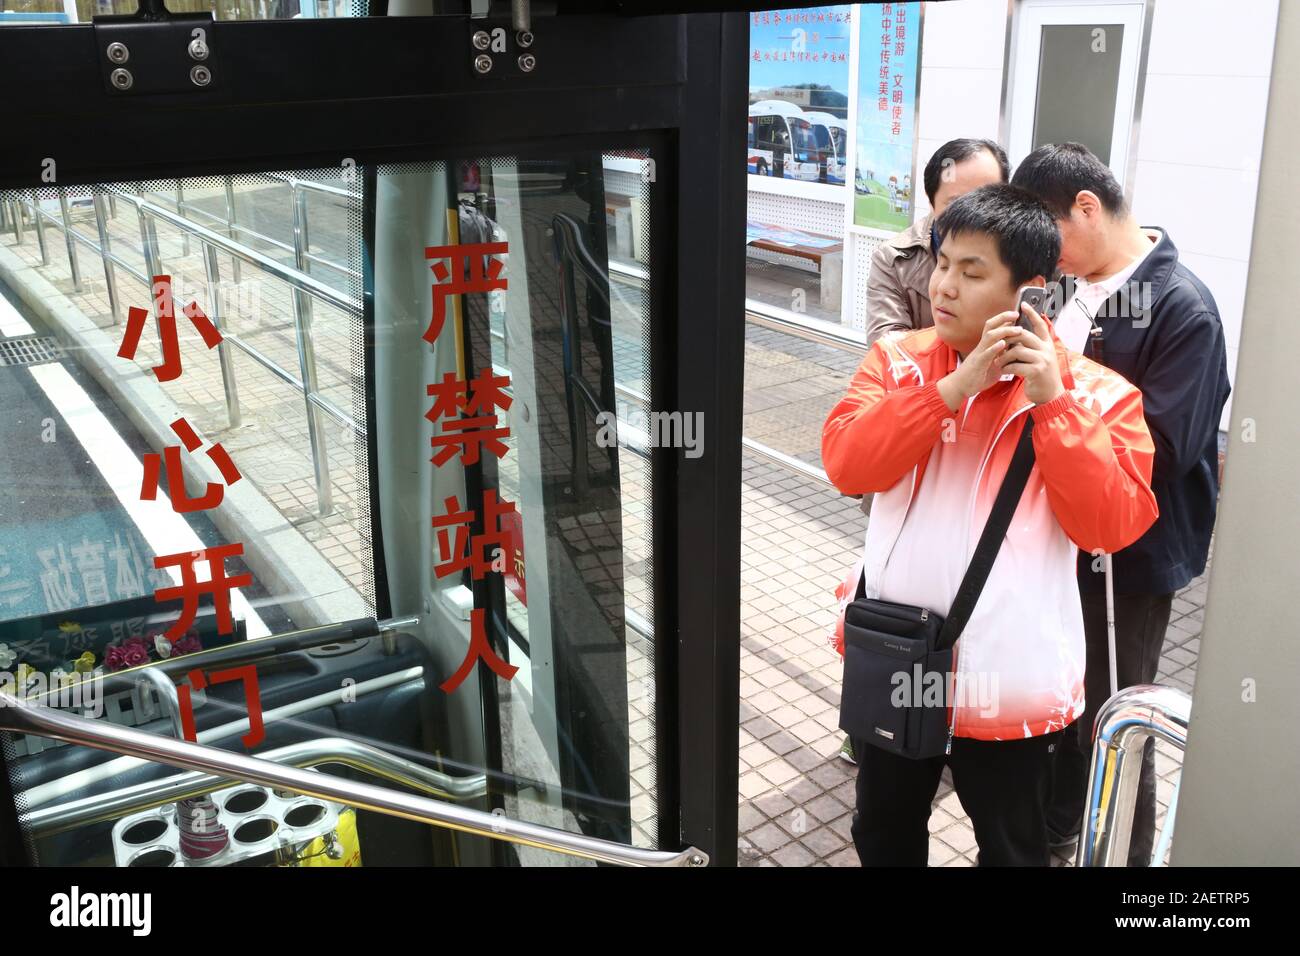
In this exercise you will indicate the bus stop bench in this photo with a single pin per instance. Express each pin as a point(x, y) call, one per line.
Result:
point(826, 252)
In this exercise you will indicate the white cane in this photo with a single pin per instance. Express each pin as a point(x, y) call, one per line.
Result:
point(1110, 627)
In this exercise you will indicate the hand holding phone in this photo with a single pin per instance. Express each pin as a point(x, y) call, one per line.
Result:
point(1035, 296)
point(1034, 357)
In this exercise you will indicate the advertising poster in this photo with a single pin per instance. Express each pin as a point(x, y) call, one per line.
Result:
point(888, 80)
point(798, 93)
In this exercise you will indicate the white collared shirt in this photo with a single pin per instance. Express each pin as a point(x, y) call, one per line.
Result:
point(1075, 321)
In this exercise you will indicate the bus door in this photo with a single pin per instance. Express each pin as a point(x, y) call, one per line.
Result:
point(371, 492)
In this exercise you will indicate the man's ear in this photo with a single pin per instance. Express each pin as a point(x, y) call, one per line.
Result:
point(1089, 205)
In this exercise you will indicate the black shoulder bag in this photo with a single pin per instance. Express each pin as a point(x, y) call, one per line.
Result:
point(884, 639)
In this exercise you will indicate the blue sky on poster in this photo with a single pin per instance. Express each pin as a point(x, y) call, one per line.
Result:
point(824, 43)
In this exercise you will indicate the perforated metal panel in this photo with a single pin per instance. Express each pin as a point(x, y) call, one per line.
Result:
point(861, 247)
point(795, 212)
point(623, 183)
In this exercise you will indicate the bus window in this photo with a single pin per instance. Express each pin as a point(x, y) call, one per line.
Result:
point(837, 139)
point(822, 141)
point(805, 146)
point(770, 132)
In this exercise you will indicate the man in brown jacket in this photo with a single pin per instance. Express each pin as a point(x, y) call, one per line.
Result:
point(898, 297)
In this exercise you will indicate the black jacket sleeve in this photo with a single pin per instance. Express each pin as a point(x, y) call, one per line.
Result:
point(1181, 388)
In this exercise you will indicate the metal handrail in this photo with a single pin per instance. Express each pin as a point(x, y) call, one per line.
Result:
point(789, 462)
point(629, 273)
point(21, 717)
point(311, 185)
point(99, 808)
point(1124, 724)
point(304, 288)
point(298, 280)
point(188, 209)
point(295, 185)
point(782, 320)
point(633, 274)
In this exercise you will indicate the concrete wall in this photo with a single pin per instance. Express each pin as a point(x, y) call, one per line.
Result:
point(1238, 803)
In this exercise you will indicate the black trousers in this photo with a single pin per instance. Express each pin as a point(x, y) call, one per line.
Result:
point(1002, 786)
point(1140, 624)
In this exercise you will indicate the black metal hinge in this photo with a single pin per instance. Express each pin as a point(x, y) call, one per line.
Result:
point(155, 51)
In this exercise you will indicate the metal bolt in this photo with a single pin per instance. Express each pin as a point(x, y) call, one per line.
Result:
point(524, 38)
point(527, 62)
point(483, 63)
point(121, 79)
point(481, 40)
point(200, 75)
point(198, 49)
point(118, 53)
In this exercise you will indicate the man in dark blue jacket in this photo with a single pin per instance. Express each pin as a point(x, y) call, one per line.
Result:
point(1146, 316)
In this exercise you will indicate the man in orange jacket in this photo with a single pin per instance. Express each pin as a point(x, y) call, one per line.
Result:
point(929, 424)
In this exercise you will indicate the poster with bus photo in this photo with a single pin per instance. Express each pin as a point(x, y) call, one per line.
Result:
point(888, 79)
point(798, 93)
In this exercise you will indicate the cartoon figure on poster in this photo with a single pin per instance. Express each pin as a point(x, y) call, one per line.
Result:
point(798, 93)
point(888, 50)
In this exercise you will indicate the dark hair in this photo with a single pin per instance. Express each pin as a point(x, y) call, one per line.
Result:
point(1057, 172)
point(953, 152)
point(1028, 240)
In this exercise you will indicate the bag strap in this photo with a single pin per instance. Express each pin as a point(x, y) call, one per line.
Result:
point(995, 529)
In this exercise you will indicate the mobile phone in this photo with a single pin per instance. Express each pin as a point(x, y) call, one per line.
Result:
point(1036, 297)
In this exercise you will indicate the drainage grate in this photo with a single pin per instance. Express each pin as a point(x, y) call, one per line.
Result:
point(32, 351)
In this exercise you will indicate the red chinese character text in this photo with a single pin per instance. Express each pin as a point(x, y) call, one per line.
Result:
point(182, 503)
point(171, 365)
point(190, 587)
point(479, 648)
point(478, 280)
point(472, 552)
point(247, 675)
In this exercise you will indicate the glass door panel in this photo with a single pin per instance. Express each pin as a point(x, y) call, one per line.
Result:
point(269, 466)
point(570, 331)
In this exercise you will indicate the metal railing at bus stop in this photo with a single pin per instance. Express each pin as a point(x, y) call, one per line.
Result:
point(304, 287)
point(1124, 724)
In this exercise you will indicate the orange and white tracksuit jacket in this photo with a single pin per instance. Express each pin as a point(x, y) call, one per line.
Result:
point(1089, 488)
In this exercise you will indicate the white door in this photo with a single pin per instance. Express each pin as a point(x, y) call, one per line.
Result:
point(1074, 78)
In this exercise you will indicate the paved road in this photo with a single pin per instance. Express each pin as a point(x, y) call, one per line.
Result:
point(67, 539)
